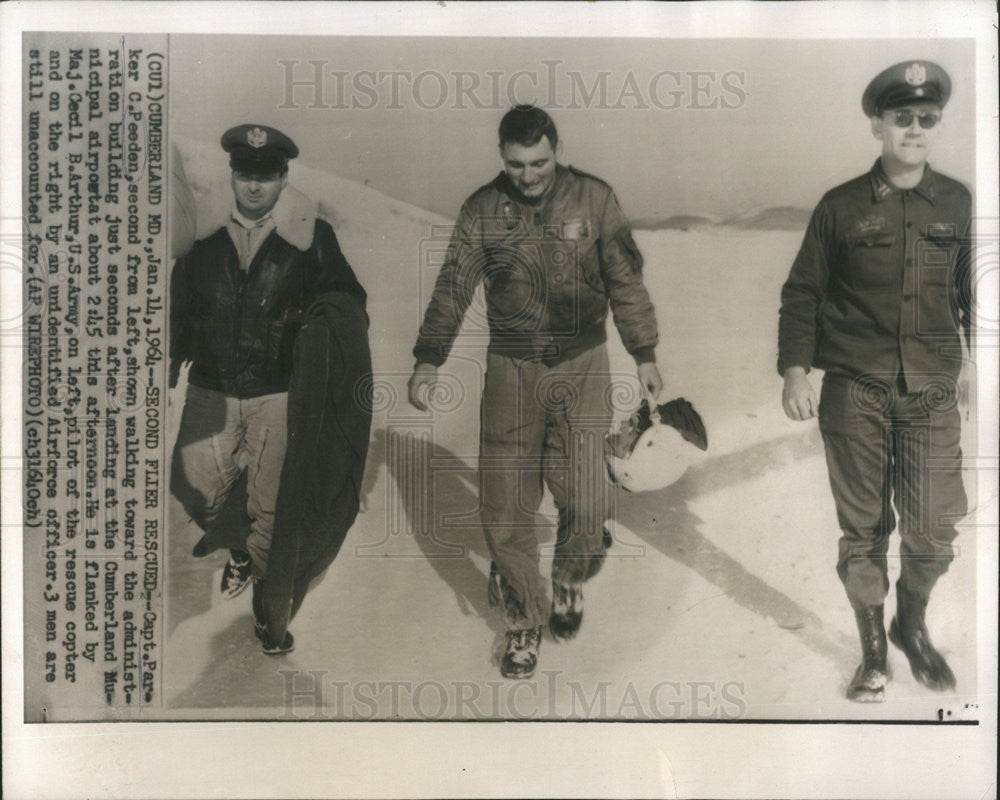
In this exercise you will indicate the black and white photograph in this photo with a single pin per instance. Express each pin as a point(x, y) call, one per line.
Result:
point(374, 366)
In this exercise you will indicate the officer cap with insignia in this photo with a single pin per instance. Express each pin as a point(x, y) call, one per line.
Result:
point(905, 83)
point(258, 148)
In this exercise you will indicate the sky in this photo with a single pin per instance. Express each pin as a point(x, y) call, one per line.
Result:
point(717, 126)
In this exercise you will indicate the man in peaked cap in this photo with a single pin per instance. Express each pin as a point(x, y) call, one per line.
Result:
point(878, 297)
point(906, 83)
point(237, 301)
point(258, 148)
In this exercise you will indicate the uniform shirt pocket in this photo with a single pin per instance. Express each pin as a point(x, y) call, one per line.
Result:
point(937, 251)
point(872, 260)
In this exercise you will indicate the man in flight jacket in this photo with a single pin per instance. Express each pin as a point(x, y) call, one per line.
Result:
point(553, 250)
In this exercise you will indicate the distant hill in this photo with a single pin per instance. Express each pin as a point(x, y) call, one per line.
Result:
point(678, 222)
point(772, 218)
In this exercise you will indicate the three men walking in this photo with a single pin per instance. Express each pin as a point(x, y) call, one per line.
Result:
point(877, 298)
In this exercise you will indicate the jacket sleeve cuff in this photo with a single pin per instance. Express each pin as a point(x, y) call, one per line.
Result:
point(644, 355)
point(793, 360)
point(428, 355)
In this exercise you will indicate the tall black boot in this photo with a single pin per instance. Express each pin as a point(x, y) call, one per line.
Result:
point(567, 610)
point(909, 633)
point(868, 683)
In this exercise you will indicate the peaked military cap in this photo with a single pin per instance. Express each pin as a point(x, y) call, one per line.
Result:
point(258, 148)
point(905, 83)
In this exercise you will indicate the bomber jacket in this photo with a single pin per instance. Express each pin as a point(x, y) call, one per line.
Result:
point(238, 328)
point(881, 284)
point(550, 269)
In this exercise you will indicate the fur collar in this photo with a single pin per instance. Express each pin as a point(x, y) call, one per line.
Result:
point(294, 217)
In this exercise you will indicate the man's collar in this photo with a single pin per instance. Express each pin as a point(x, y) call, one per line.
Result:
point(247, 223)
point(882, 188)
point(505, 185)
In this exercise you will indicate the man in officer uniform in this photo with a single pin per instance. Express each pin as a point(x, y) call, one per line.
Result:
point(236, 302)
point(877, 297)
point(553, 248)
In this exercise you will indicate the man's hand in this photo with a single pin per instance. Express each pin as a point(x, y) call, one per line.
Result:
point(423, 375)
point(798, 396)
point(649, 379)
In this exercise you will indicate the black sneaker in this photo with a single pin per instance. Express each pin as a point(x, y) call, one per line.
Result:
point(521, 655)
point(236, 574)
point(567, 610)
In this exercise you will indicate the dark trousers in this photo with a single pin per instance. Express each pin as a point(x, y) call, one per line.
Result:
point(887, 447)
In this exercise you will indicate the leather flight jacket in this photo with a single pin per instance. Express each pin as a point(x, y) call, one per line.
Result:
point(238, 328)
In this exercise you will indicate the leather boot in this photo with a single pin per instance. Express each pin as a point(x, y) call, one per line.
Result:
point(909, 633)
point(567, 610)
point(868, 683)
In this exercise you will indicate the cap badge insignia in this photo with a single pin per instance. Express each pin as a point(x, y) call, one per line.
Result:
point(256, 137)
point(916, 75)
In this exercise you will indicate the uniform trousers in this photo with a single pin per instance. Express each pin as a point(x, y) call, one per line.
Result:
point(888, 447)
point(543, 425)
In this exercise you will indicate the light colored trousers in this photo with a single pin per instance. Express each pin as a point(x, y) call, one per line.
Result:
point(542, 424)
point(218, 435)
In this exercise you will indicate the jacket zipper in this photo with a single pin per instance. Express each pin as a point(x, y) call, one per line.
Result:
point(242, 281)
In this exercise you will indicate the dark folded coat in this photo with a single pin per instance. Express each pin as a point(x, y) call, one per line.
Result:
point(329, 421)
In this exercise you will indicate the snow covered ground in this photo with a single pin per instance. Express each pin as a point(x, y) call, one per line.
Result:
point(719, 598)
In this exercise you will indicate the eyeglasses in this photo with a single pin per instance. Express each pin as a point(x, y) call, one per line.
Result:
point(904, 118)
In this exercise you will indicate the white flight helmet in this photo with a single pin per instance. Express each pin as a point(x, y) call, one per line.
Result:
point(649, 452)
